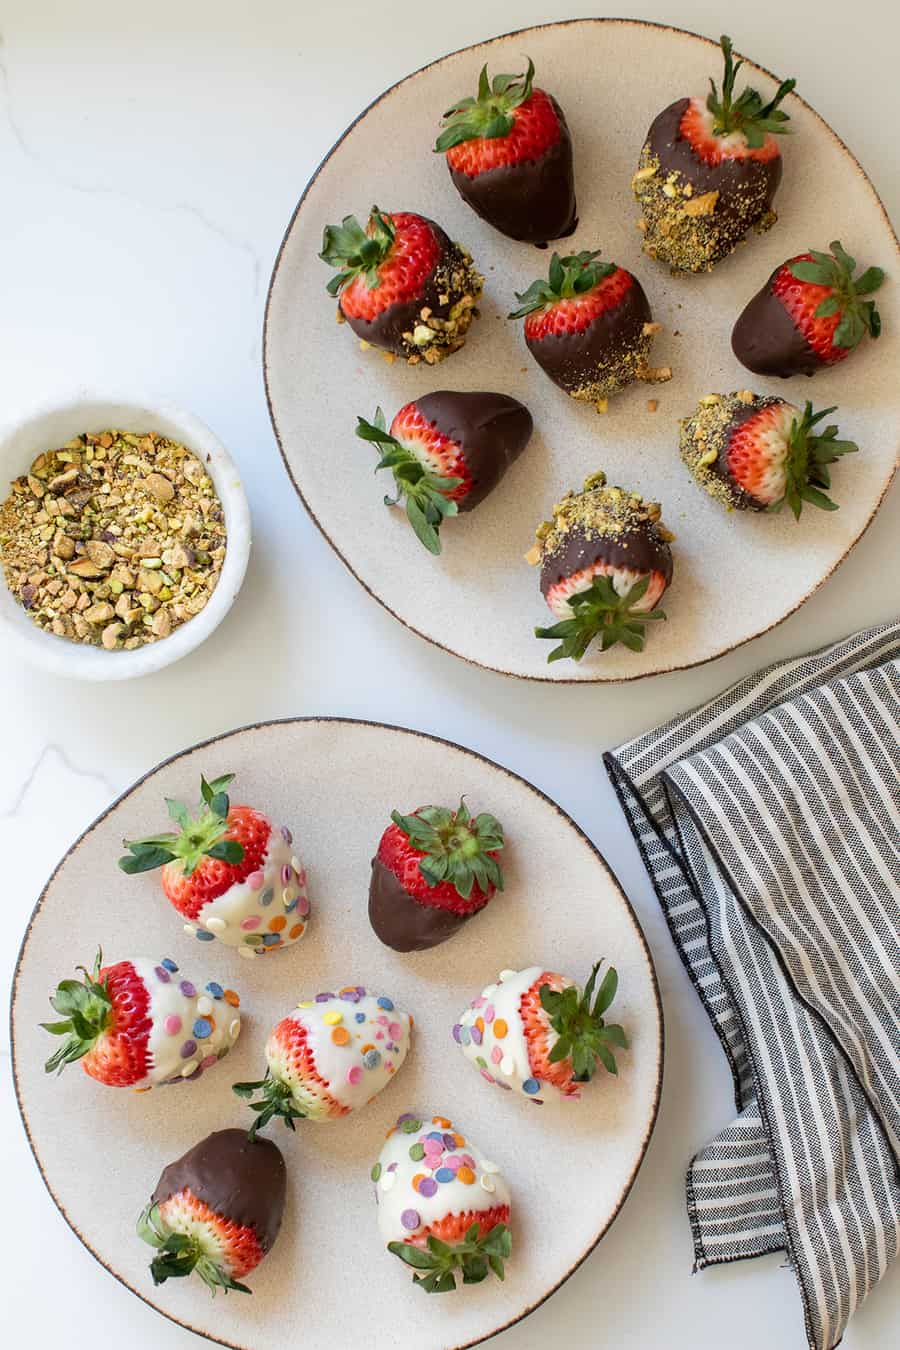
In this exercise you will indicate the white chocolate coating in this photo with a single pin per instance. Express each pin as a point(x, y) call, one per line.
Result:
point(457, 1177)
point(191, 1031)
point(268, 911)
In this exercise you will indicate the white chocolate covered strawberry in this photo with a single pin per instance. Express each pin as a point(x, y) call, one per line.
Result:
point(329, 1057)
point(442, 1205)
point(536, 1029)
point(229, 872)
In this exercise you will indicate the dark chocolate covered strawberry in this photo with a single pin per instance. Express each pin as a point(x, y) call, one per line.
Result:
point(755, 453)
point(509, 153)
point(447, 451)
point(217, 1211)
point(605, 562)
point(403, 285)
point(589, 327)
point(811, 313)
point(433, 870)
point(708, 172)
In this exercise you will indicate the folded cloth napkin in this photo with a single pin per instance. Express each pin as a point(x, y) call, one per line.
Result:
point(769, 822)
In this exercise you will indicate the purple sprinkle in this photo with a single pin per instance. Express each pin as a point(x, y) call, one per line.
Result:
point(189, 1048)
point(392, 1167)
point(360, 991)
point(410, 1219)
point(476, 1035)
point(162, 974)
point(187, 989)
point(323, 998)
point(407, 1115)
point(285, 874)
point(428, 1187)
point(456, 1030)
point(286, 835)
point(350, 996)
point(448, 1141)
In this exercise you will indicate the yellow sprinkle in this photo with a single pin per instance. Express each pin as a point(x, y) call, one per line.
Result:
point(331, 1019)
point(307, 1003)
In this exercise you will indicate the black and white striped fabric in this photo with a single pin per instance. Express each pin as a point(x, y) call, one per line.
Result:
point(769, 822)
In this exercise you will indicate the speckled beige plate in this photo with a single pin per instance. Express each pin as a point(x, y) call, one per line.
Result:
point(328, 1283)
point(735, 575)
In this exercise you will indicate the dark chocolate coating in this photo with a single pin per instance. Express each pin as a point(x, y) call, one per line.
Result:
point(532, 201)
point(640, 550)
point(746, 187)
point(573, 360)
point(400, 922)
point(492, 430)
point(246, 1182)
point(766, 340)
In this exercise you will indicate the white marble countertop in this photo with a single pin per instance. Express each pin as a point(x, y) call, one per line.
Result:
point(149, 160)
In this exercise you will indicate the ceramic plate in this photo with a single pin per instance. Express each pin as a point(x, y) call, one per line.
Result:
point(328, 1274)
point(736, 575)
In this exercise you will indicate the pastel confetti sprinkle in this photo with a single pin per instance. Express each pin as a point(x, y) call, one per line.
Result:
point(444, 1123)
point(454, 1162)
point(531, 1086)
point(444, 1174)
point(209, 1061)
point(489, 1078)
point(201, 935)
point(507, 1065)
point(488, 1184)
point(409, 1124)
point(395, 1031)
point(232, 998)
point(234, 1029)
point(277, 924)
point(267, 896)
point(375, 1172)
point(190, 1069)
point(162, 974)
point(489, 1013)
point(500, 1028)
point(386, 1003)
point(289, 897)
point(410, 1219)
point(303, 906)
point(172, 1024)
point(465, 1035)
point(251, 921)
point(253, 939)
point(466, 1176)
point(428, 1187)
point(256, 881)
point(388, 1180)
point(202, 1028)
point(340, 1035)
point(271, 940)
point(169, 964)
point(468, 1160)
point(187, 989)
point(331, 1019)
point(359, 1017)
point(496, 1054)
point(354, 1074)
point(286, 874)
point(297, 931)
point(215, 924)
point(287, 837)
point(246, 952)
point(189, 1048)
point(204, 1005)
point(417, 1152)
point(488, 1166)
point(476, 1035)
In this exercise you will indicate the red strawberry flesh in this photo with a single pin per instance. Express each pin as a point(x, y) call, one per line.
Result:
point(213, 877)
point(119, 1057)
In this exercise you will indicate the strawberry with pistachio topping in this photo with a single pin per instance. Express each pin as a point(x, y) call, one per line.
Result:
point(509, 153)
point(709, 170)
point(811, 313)
point(605, 562)
point(755, 453)
point(447, 451)
point(589, 327)
point(433, 871)
point(229, 872)
point(535, 1029)
point(216, 1211)
point(402, 284)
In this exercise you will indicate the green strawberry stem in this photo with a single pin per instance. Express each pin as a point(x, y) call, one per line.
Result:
point(178, 1255)
point(87, 1009)
point(583, 1035)
point(835, 270)
point(600, 610)
point(203, 836)
point(457, 848)
point(474, 1256)
point(425, 493)
point(357, 252)
point(806, 463)
point(567, 277)
point(489, 114)
point(747, 113)
point(275, 1100)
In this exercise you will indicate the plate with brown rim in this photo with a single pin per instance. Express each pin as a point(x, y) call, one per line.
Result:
point(328, 1269)
point(737, 574)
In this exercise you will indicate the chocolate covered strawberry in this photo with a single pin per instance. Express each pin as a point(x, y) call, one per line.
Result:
point(141, 1023)
point(443, 1207)
point(447, 451)
point(329, 1057)
point(755, 453)
point(811, 313)
point(402, 284)
point(589, 327)
point(605, 562)
point(536, 1029)
point(433, 870)
point(229, 872)
point(509, 153)
point(216, 1211)
point(708, 172)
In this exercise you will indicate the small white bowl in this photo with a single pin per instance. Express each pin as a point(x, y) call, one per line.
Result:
point(49, 427)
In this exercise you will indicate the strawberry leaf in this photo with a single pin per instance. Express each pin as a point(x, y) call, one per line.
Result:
point(455, 848)
point(567, 277)
point(747, 113)
point(357, 251)
point(488, 116)
point(439, 1261)
point(599, 610)
point(576, 1017)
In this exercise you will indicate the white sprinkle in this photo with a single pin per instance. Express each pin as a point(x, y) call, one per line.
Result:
point(387, 1180)
point(216, 925)
point(190, 929)
point(507, 975)
point(487, 1166)
point(246, 952)
point(296, 864)
point(189, 1068)
point(204, 1005)
point(235, 1029)
point(507, 1064)
point(289, 894)
point(487, 1184)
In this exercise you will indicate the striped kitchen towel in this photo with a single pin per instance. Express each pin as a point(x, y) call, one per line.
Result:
point(769, 822)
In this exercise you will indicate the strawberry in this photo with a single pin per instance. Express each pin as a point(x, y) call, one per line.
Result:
point(433, 870)
point(810, 313)
point(443, 1206)
point(708, 172)
point(605, 562)
point(329, 1057)
point(229, 871)
point(134, 1024)
point(216, 1211)
point(403, 285)
point(535, 1028)
point(589, 327)
point(509, 153)
point(756, 453)
point(447, 451)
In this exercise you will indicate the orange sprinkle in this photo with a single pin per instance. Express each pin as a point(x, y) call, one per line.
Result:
point(500, 1028)
point(146, 1089)
point(231, 997)
point(295, 931)
point(212, 1023)
point(458, 1139)
point(442, 1121)
point(340, 1035)
point(276, 924)
point(466, 1175)
point(479, 1022)
point(420, 1176)
point(368, 1046)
